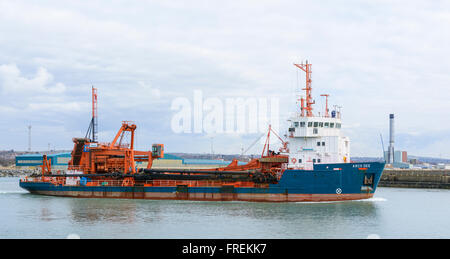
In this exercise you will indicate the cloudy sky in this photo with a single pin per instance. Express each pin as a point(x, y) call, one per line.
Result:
point(372, 57)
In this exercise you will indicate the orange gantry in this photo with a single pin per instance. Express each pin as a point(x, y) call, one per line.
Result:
point(115, 157)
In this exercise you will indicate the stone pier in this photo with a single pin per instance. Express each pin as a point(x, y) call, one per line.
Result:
point(409, 178)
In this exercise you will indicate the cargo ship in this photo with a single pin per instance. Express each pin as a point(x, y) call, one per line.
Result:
point(313, 164)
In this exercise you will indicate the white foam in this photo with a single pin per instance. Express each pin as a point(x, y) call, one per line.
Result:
point(373, 199)
point(73, 236)
point(373, 236)
point(10, 192)
point(318, 202)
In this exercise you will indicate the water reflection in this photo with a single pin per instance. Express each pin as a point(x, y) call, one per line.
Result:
point(111, 218)
point(190, 219)
point(400, 215)
point(290, 220)
point(103, 210)
point(46, 214)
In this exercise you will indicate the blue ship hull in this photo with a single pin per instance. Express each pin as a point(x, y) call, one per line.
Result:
point(327, 182)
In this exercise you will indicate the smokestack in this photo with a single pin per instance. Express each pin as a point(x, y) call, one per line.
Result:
point(390, 159)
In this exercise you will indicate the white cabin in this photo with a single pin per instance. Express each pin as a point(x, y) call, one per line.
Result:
point(316, 140)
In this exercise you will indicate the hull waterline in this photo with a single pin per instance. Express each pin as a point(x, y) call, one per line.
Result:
point(332, 182)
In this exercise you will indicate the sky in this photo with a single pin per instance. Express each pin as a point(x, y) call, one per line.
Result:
point(373, 58)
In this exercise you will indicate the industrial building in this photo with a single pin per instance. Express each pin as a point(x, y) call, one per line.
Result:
point(400, 159)
point(58, 161)
point(172, 161)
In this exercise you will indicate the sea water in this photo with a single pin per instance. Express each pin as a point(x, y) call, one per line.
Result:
point(391, 213)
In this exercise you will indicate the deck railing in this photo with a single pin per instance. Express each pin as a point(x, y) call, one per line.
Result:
point(69, 181)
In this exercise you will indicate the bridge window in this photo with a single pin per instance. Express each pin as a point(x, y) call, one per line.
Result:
point(327, 124)
point(310, 124)
point(331, 125)
point(296, 124)
point(318, 144)
point(321, 124)
point(316, 124)
point(302, 124)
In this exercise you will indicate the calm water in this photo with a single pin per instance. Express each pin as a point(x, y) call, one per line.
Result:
point(392, 213)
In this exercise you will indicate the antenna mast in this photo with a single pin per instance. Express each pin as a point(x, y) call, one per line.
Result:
point(326, 105)
point(94, 115)
point(309, 101)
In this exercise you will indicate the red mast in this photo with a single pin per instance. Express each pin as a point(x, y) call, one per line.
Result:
point(326, 105)
point(309, 101)
point(94, 115)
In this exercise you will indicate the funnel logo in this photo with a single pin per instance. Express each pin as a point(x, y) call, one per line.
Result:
point(224, 116)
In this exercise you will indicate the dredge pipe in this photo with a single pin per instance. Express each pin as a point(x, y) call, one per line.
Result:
point(196, 171)
point(154, 174)
point(144, 177)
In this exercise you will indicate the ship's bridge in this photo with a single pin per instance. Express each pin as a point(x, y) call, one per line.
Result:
point(314, 127)
point(316, 139)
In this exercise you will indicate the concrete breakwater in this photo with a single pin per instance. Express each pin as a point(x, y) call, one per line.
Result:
point(13, 172)
point(407, 178)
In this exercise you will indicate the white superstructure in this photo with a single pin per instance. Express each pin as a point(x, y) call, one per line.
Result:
point(315, 139)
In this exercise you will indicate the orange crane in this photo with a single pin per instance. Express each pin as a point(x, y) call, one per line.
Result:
point(108, 162)
point(92, 157)
point(269, 164)
point(46, 167)
point(267, 144)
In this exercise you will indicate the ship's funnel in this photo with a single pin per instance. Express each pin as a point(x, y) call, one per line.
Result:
point(390, 158)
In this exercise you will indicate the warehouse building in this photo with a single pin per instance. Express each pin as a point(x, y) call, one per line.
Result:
point(172, 161)
point(57, 161)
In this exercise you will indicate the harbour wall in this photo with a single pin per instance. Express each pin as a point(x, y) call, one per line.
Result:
point(14, 172)
point(408, 178)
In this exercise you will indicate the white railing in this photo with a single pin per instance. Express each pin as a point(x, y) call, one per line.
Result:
point(124, 182)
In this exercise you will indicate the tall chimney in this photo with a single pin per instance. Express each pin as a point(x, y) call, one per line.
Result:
point(390, 159)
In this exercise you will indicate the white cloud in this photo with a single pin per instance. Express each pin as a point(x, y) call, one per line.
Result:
point(12, 82)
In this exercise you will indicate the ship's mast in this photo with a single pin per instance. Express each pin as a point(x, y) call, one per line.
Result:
point(93, 130)
point(309, 101)
point(327, 114)
point(94, 115)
